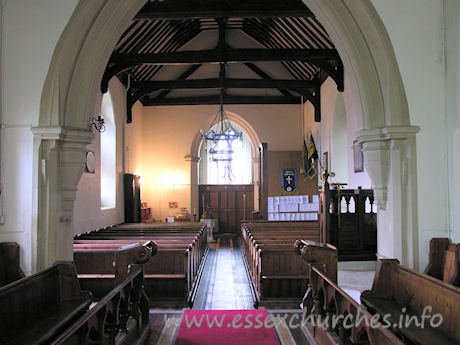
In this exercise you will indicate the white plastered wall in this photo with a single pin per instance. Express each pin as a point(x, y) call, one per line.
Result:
point(29, 33)
point(452, 44)
point(168, 133)
point(416, 29)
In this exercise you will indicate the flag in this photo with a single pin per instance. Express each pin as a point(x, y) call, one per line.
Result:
point(309, 157)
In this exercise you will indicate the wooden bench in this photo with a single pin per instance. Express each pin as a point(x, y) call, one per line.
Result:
point(35, 309)
point(170, 277)
point(275, 270)
point(396, 287)
point(10, 269)
point(122, 316)
point(444, 261)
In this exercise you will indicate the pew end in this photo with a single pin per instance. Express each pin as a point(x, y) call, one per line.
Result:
point(10, 269)
point(323, 256)
point(444, 261)
point(132, 254)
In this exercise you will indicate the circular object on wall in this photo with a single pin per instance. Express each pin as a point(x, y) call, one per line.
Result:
point(90, 165)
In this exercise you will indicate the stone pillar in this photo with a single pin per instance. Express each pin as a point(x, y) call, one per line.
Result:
point(61, 158)
point(389, 155)
point(192, 162)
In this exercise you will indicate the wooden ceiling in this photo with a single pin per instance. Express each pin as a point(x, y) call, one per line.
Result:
point(188, 52)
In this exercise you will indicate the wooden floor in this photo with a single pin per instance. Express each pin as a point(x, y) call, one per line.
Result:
point(224, 285)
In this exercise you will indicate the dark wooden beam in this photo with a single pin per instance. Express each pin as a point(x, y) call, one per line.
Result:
point(230, 55)
point(227, 99)
point(315, 98)
point(111, 72)
point(264, 75)
point(225, 83)
point(336, 72)
point(193, 9)
point(188, 72)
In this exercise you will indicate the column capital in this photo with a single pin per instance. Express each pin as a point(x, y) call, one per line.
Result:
point(70, 145)
point(377, 145)
point(67, 134)
point(386, 133)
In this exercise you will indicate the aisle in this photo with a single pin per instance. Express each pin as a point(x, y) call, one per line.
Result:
point(224, 283)
point(224, 286)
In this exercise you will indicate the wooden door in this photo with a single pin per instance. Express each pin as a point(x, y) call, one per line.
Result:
point(229, 204)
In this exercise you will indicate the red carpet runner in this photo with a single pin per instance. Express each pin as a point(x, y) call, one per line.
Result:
point(227, 327)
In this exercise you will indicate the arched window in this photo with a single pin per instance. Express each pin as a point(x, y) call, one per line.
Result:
point(222, 167)
point(108, 155)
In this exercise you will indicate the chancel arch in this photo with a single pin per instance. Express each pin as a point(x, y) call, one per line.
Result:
point(72, 88)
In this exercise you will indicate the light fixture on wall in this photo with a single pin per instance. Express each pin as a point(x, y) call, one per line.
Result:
point(97, 123)
point(223, 133)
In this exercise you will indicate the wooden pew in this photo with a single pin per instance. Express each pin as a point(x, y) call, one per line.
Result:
point(170, 277)
point(444, 261)
point(122, 316)
point(10, 269)
point(36, 309)
point(275, 270)
point(404, 293)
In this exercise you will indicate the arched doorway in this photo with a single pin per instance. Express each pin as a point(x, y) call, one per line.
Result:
point(71, 92)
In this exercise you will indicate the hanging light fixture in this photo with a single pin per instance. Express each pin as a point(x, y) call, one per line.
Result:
point(220, 136)
point(223, 133)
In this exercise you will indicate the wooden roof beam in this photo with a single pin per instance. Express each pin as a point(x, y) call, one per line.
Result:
point(226, 83)
point(195, 9)
point(227, 99)
point(226, 55)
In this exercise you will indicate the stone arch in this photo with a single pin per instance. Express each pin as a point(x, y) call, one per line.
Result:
point(72, 87)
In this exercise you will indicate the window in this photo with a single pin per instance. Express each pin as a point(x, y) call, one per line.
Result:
point(108, 155)
point(226, 162)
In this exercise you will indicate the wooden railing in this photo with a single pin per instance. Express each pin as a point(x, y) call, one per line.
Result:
point(331, 316)
point(355, 324)
point(122, 316)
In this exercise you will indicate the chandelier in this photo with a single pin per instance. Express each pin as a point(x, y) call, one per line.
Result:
point(221, 132)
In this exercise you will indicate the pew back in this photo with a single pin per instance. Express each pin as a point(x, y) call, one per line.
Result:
point(36, 308)
point(396, 287)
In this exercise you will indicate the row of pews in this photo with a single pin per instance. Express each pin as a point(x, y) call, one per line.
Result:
point(171, 276)
point(50, 307)
point(403, 307)
point(275, 271)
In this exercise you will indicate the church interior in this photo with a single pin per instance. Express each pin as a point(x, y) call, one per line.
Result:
point(229, 172)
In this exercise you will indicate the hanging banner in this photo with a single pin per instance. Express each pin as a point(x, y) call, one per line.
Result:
point(289, 179)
